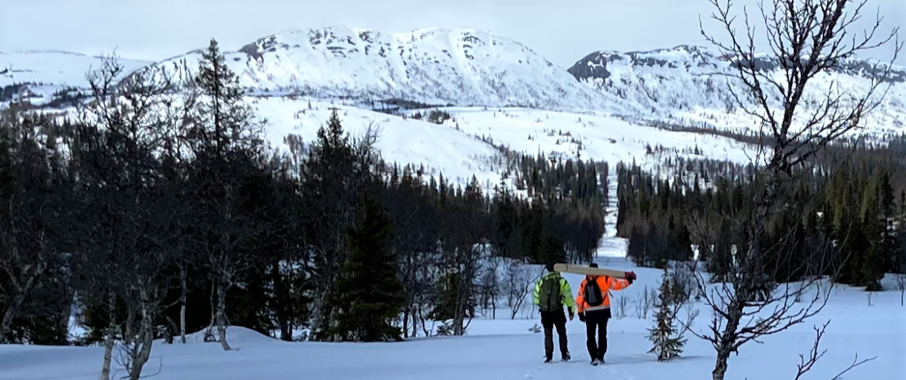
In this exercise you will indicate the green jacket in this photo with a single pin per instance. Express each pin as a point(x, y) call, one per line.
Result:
point(566, 293)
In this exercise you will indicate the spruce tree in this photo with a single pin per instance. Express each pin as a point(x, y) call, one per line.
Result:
point(667, 345)
point(369, 295)
point(226, 122)
point(228, 149)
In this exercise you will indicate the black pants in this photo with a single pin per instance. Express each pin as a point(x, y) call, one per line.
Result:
point(596, 320)
point(549, 320)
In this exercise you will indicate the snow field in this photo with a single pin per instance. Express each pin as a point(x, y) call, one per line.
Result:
point(506, 349)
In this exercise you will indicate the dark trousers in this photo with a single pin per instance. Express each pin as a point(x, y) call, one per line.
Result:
point(596, 320)
point(549, 320)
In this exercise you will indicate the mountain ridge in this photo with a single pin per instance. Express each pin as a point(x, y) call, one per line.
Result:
point(463, 67)
point(472, 68)
point(688, 84)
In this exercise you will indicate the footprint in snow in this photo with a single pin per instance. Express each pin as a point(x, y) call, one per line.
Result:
point(616, 373)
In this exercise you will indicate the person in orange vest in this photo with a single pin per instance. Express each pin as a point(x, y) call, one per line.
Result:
point(593, 303)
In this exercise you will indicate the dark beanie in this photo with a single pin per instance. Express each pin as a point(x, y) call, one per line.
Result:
point(593, 265)
point(549, 267)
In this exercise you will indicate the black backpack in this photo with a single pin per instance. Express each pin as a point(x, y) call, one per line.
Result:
point(550, 297)
point(593, 295)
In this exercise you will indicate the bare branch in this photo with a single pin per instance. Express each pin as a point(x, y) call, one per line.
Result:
point(806, 363)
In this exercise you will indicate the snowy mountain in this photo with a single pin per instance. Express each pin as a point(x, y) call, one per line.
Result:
point(461, 67)
point(684, 85)
point(687, 84)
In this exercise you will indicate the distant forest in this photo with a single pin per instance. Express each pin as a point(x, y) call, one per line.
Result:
point(854, 198)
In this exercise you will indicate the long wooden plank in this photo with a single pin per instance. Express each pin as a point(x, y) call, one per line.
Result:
point(586, 270)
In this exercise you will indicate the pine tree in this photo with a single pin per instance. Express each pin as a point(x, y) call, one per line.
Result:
point(369, 295)
point(667, 345)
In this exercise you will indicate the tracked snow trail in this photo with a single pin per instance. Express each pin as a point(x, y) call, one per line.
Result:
point(611, 245)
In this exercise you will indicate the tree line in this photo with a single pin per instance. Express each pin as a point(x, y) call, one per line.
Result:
point(853, 197)
point(160, 209)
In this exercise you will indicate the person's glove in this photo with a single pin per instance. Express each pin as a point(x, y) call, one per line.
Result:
point(630, 276)
point(571, 315)
point(582, 316)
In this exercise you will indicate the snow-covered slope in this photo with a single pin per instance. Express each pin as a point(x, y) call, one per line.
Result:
point(466, 144)
point(687, 84)
point(52, 67)
point(37, 74)
point(440, 149)
point(460, 67)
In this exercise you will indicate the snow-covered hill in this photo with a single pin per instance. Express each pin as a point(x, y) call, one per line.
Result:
point(52, 67)
point(688, 85)
point(37, 74)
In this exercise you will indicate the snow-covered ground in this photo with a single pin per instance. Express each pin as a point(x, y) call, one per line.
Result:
point(506, 349)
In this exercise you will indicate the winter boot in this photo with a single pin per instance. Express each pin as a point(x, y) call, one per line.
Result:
point(565, 356)
point(548, 358)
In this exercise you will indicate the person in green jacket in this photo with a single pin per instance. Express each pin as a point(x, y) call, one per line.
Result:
point(551, 292)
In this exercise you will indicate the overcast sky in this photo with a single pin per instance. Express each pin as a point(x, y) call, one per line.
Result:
point(561, 30)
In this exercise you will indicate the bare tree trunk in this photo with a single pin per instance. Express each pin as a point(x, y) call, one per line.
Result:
point(286, 331)
point(108, 340)
point(720, 367)
point(129, 331)
point(182, 301)
point(21, 290)
point(221, 315)
point(725, 346)
point(901, 284)
point(494, 305)
point(406, 322)
point(209, 332)
point(146, 338)
point(459, 310)
point(11, 309)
